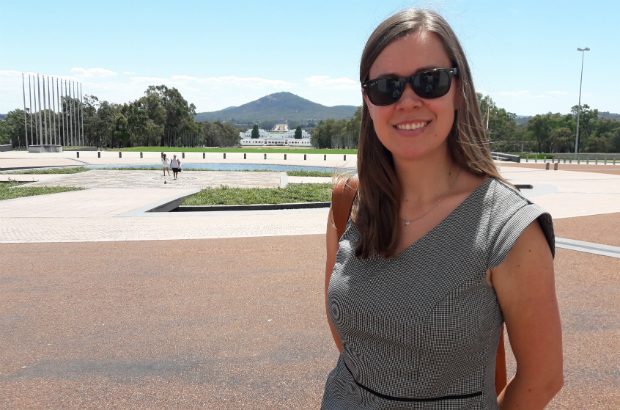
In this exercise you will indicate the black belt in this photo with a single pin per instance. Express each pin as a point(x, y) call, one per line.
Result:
point(411, 399)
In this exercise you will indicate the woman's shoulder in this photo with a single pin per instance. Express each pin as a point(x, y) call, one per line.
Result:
point(501, 201)
point(503, 192)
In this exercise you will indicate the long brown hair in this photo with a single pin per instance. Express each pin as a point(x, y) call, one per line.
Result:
point(377, 209)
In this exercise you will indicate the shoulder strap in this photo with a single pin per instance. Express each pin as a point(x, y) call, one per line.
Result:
point(500, 365)
point(343, 193)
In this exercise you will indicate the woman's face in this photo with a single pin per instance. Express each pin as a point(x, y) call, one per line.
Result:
point(413, 127)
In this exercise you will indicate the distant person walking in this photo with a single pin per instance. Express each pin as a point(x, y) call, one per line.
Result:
point(165, 162)
point(175, 164)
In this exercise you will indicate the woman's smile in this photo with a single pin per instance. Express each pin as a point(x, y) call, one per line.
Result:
point(408, 126)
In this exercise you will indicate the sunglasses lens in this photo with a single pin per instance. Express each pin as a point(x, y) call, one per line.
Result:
point(428, 84)
point(384, 91)
point(432, 84)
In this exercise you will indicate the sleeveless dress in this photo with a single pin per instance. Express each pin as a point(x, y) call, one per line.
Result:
point(420, 330)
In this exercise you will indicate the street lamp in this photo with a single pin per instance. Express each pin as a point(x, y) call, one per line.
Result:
point(582, 50)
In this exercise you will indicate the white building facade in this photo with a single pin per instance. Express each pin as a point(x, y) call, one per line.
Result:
point(279, 135)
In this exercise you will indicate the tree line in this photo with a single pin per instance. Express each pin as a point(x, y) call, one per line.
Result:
point(162, 117)
point(551, 132)
point(544, 133)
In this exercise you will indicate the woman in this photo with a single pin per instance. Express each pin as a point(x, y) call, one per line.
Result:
point(439, 250)
point(165, 163)
point(175, 164)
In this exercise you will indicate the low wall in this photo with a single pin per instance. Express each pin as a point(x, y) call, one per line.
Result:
point(6, 147)
point(505, 157)
point(591, 156)
point(44, 148)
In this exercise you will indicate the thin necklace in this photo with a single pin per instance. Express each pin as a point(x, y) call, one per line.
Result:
point(407, 222)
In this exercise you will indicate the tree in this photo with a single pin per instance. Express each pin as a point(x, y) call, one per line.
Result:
point(4, 133)
point(615, 140)
point(587, 120)
point(13, 129)
point(337, 133)
point(298, 133)
point(255, 132)
point(501, 125)
point(561, 139)
point(539, 127)
point(178, 114)
point(218, 134)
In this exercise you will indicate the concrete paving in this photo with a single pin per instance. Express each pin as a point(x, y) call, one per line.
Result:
point(115, 200)
point(103, 304)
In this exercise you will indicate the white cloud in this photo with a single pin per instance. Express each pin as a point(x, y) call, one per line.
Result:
point(94, 72)
point(233, 82)
point(206, 93)
point(10, 73)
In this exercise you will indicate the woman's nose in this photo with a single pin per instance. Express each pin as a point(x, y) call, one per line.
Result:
point(409, 98)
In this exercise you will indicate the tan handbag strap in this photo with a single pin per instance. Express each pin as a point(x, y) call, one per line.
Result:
point(501, 378)
point(343, 194)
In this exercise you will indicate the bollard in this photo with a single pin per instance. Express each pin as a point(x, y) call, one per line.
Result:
point(264, 156)
point(224, 155)
point(345, 157)
point(547, 166)
point(78, 153)
point(244, 155)
point(203, 155)
point(120, 154)
point(324, 157)
point(304, 157)
point(98, 154)
point(285, 157)
point(140, 155)
point(555, 166)
point(183, 155)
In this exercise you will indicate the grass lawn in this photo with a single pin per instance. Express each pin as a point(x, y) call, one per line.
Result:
point(294, 193)
point(10, 190)
point(43, 171)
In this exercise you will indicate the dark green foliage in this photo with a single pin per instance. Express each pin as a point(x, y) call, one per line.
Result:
point(218, 134)
point(338, 133)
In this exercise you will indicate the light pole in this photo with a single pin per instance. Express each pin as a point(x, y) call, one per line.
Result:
point(582, 50)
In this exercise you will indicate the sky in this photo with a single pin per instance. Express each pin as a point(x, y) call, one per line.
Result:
point(218, 54)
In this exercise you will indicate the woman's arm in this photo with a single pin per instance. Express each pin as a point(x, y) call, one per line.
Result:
point(331, 241)
point(525, 287)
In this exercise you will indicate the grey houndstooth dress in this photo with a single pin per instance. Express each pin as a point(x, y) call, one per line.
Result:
point(420, 330)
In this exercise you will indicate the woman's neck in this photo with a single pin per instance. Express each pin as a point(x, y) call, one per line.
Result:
point(425, 180)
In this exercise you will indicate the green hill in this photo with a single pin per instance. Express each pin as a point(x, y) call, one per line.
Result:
point(279, 107)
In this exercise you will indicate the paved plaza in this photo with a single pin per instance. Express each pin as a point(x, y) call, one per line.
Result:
point(104, 304)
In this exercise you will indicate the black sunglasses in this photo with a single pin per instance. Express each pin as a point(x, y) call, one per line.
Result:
point(426, 84)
